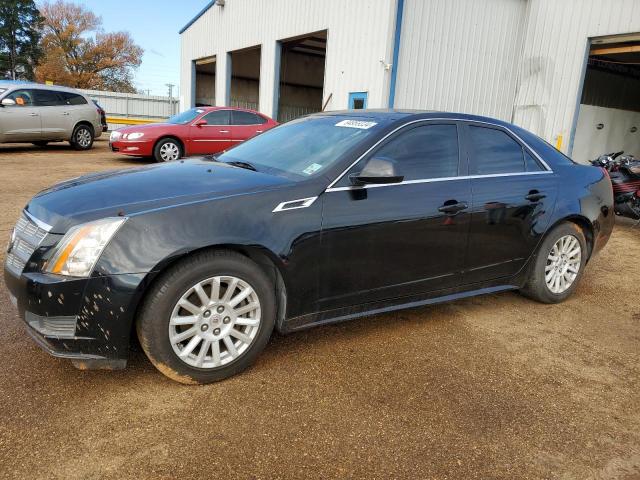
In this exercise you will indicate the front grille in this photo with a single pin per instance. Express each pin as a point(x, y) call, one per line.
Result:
point(28, 237)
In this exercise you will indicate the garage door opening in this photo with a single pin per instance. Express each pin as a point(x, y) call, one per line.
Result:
point(609, 112)
point(245, 78)
point(302, 63)
point(205, 82)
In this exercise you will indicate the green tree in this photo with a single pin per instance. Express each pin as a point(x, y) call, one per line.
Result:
point(20, 26)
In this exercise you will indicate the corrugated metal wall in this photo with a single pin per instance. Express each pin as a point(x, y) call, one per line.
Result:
point(518, 60)
point(359, 42)
point(553, 58)
point(460, 55)
point(134, 105)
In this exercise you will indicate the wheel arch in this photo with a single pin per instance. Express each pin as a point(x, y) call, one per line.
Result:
point(582, 222)
point(264, 258)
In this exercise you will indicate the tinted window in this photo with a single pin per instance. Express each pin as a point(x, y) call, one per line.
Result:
point(429, 151)
point(217, 117)
point(247, 118)
point(531, 164)
point(22, 98)
point(46, 98)
point(73, 98)
point(494, 152)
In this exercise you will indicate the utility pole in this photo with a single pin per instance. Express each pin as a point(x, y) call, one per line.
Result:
point(170, 86)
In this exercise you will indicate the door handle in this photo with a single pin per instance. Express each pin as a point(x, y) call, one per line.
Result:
point(33, 114)
point(453, 208)
point(259, 131)
point(65, 113)
point(535, 196)
point(223, 131)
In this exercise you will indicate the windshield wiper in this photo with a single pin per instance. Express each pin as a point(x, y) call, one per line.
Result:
point(246, 165)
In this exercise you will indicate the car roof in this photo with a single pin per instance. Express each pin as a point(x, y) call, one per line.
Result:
point(409, 114)
point(240, 109)
point(11, 84)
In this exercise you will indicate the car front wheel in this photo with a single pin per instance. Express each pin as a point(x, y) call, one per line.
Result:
point(208, 318)
point(167, 150)
point(558, 265)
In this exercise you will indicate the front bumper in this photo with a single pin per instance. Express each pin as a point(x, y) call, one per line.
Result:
point(135, 148)
point(85, 320)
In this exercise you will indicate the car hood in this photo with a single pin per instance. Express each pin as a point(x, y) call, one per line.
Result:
point(136, 190)
point(149, 127)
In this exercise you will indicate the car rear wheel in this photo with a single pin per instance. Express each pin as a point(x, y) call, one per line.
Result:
point(208, 318)
point(41, 143)
point(82, 137)
point(558, 265)
point(167, 150)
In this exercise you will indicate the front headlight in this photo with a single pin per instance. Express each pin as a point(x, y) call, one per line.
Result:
point(79, 250)
point(134, 135)
point(115, 135)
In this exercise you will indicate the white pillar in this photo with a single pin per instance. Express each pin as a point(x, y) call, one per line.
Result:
point(269, 78)
point(223, 80)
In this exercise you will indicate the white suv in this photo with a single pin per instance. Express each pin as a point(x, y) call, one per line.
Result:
point(39, 114)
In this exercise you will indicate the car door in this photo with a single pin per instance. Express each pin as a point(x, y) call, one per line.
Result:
point(212, 137)
point(386, 241)
point(54, 115)
point(20, 122)
point(513, 195)
point(246, 125)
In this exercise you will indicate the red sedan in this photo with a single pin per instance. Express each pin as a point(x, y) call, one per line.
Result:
point(197, 131)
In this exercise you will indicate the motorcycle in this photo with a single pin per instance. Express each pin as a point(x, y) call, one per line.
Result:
point(624, 172)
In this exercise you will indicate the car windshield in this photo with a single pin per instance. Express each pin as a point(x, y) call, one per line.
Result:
point(304, 147)
point(185, 117)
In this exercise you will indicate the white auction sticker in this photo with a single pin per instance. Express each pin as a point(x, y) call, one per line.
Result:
point(313, 168)
point(356, 124)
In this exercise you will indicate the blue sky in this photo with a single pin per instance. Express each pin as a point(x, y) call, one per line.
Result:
point(154, 25)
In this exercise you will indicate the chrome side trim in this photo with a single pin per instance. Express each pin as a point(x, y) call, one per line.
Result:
point(433, 180)
point(425, 120)
point(44, 226)
point(300, 203)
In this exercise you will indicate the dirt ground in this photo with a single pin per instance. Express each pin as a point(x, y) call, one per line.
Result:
point(490, 387)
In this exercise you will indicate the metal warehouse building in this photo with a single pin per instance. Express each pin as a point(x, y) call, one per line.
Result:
point(568, 70)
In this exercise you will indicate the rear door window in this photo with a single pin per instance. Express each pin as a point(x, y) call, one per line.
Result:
point(217, 117)
point(494, 152)
point(246, 118)
point(47, 98)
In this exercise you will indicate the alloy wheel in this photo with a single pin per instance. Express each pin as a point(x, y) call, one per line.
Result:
point(214, 322)
point(169, 151)
point(83, 137)
point(563, 264)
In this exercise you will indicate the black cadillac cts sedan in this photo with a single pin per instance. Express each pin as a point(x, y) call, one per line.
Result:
point(327, 218)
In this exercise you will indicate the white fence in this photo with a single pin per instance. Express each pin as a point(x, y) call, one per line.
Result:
point(134, 106)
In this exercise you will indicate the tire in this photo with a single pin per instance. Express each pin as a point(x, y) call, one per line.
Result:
point(167, 150)
point(41, 143)
point(82, 137)
point(162, 339)
point(537, 286)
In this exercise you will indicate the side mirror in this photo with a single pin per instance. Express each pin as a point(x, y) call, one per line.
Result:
point(377, 171)
point(200, 123)
point(7, 102)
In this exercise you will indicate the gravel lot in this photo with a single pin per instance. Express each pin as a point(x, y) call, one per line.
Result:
point(490, 387)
